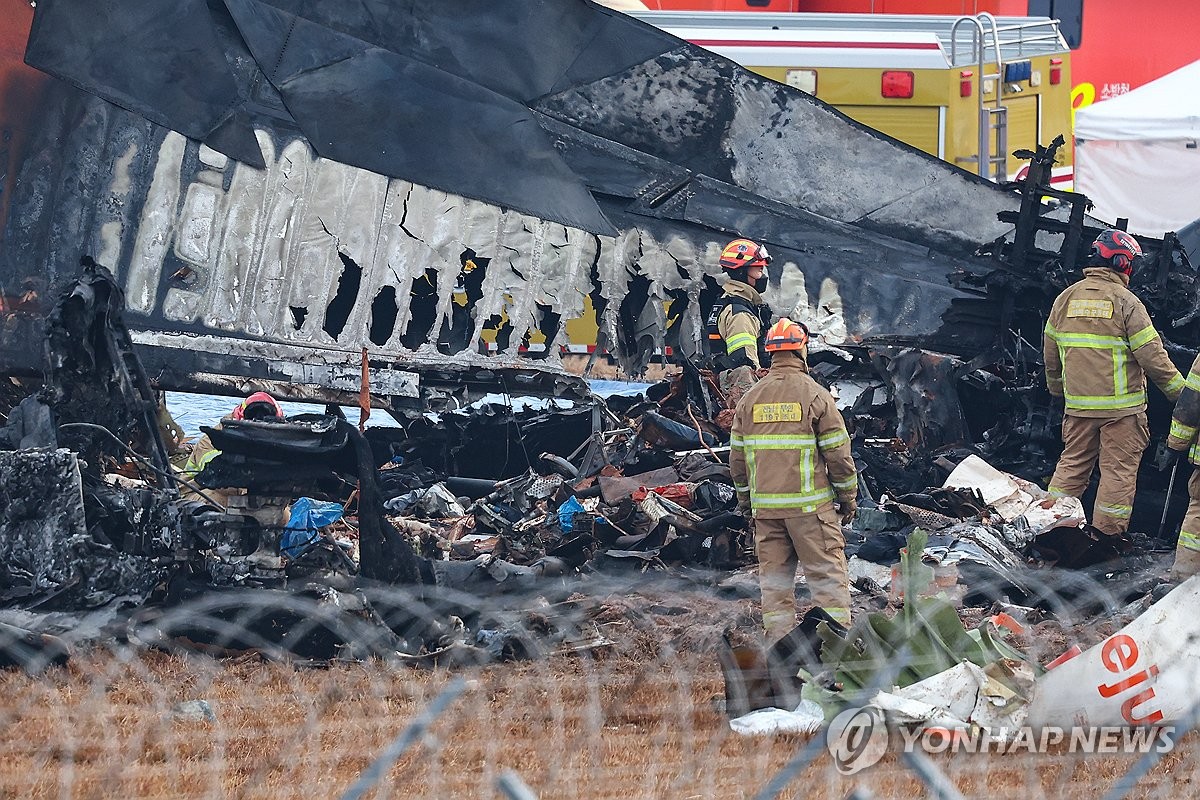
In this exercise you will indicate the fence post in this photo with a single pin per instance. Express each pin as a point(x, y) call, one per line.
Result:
point(379, 767)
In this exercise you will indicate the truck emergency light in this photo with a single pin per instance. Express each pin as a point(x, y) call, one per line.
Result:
point(964, 83)
point(1018, 71)
point(1055, 71)
point(897, 83)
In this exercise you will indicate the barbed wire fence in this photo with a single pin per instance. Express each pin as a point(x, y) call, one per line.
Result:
point(616, 692)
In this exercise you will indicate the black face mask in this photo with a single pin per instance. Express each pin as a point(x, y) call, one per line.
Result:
point(760, 285)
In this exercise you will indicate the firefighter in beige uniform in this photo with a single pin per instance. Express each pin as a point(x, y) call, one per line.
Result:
point(1099, 347)
point(1183, 438)
point(257, 406)
point(738, 321)
point(790, 460)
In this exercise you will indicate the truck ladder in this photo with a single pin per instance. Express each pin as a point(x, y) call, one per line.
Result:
point(993, 115)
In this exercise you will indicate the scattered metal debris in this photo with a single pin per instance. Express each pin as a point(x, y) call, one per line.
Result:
point(269, 250)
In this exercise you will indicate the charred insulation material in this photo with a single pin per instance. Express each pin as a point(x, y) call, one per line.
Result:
point(51, 554)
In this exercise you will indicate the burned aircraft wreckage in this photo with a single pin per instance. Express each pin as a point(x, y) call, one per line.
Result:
point(327, 201)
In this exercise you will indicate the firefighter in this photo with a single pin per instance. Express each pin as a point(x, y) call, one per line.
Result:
point(790, 463)
point(258, 406)
point(1099, 347)
point(1182, 438)
point(739, 318)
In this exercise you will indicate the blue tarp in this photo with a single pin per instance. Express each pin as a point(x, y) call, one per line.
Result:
point(566, 514)
point(307, 517)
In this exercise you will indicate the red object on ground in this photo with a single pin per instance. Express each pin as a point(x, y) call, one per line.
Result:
point(678, 492)
point(1065, 657)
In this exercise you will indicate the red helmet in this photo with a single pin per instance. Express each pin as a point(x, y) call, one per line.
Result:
point(259, 405)
point(744, 253)
point(786, 335)
point(1116, 249)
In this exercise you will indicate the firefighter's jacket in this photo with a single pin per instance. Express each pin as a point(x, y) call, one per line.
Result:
point(202, 453)
point(789, 450)
point(1186, 419)
point(739, 321)
point(1099, 347)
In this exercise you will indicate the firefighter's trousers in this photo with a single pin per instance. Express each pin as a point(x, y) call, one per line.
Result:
point(816, 542)
point(1117, 443)
point(1187, 552)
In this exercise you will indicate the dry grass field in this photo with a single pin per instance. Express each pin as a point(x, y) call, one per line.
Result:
point(637, 720)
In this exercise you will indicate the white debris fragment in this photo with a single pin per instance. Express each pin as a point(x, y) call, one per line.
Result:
point(807, 718)
point(1026, 506)
point(1144, 674)
point(861, 568)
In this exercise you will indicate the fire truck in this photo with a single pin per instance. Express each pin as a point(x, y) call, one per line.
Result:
point(968, 89)
point(1115, 47)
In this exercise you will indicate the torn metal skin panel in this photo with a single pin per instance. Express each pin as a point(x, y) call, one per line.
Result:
point(708, 115)
point(216, 290)
point(282, 274)
point(264, 255)
point(678, 149)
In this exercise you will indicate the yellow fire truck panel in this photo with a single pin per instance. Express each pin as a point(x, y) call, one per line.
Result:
point(970, 90)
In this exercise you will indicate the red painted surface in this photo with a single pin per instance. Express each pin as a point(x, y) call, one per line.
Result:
point(1123, 46)
point(20, 90)
point(948, 7)
point(1008, 7)
point(814, 43)
point(722, 5)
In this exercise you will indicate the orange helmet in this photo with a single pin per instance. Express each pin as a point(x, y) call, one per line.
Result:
point(744, 253)
point(787, 335)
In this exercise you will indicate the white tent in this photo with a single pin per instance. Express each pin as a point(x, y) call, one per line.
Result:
point(1137, 155)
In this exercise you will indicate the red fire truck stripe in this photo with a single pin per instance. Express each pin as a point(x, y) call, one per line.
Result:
point(856, 45)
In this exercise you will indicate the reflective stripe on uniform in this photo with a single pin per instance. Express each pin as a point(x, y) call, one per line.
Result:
point(1094, 341)
point(1189, 541)
point(1114, 510)
point(1082, 402)
point(1176, 384)
point(737, 487)
point(1055, 491)
point(846, 486)
point(1120, 356)
point(807, 501)
point(772, 618)
point(751, 471)
point(1143, 337)
point(833, 439)
point(781, 442)
point(196, 466)
point(1181, 431)
point(805, 446)
point(739, 340)
point(1192, 382)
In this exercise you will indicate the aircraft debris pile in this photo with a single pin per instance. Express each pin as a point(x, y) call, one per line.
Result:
point(487, 501)
point(928, 286)
point(920, 669)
